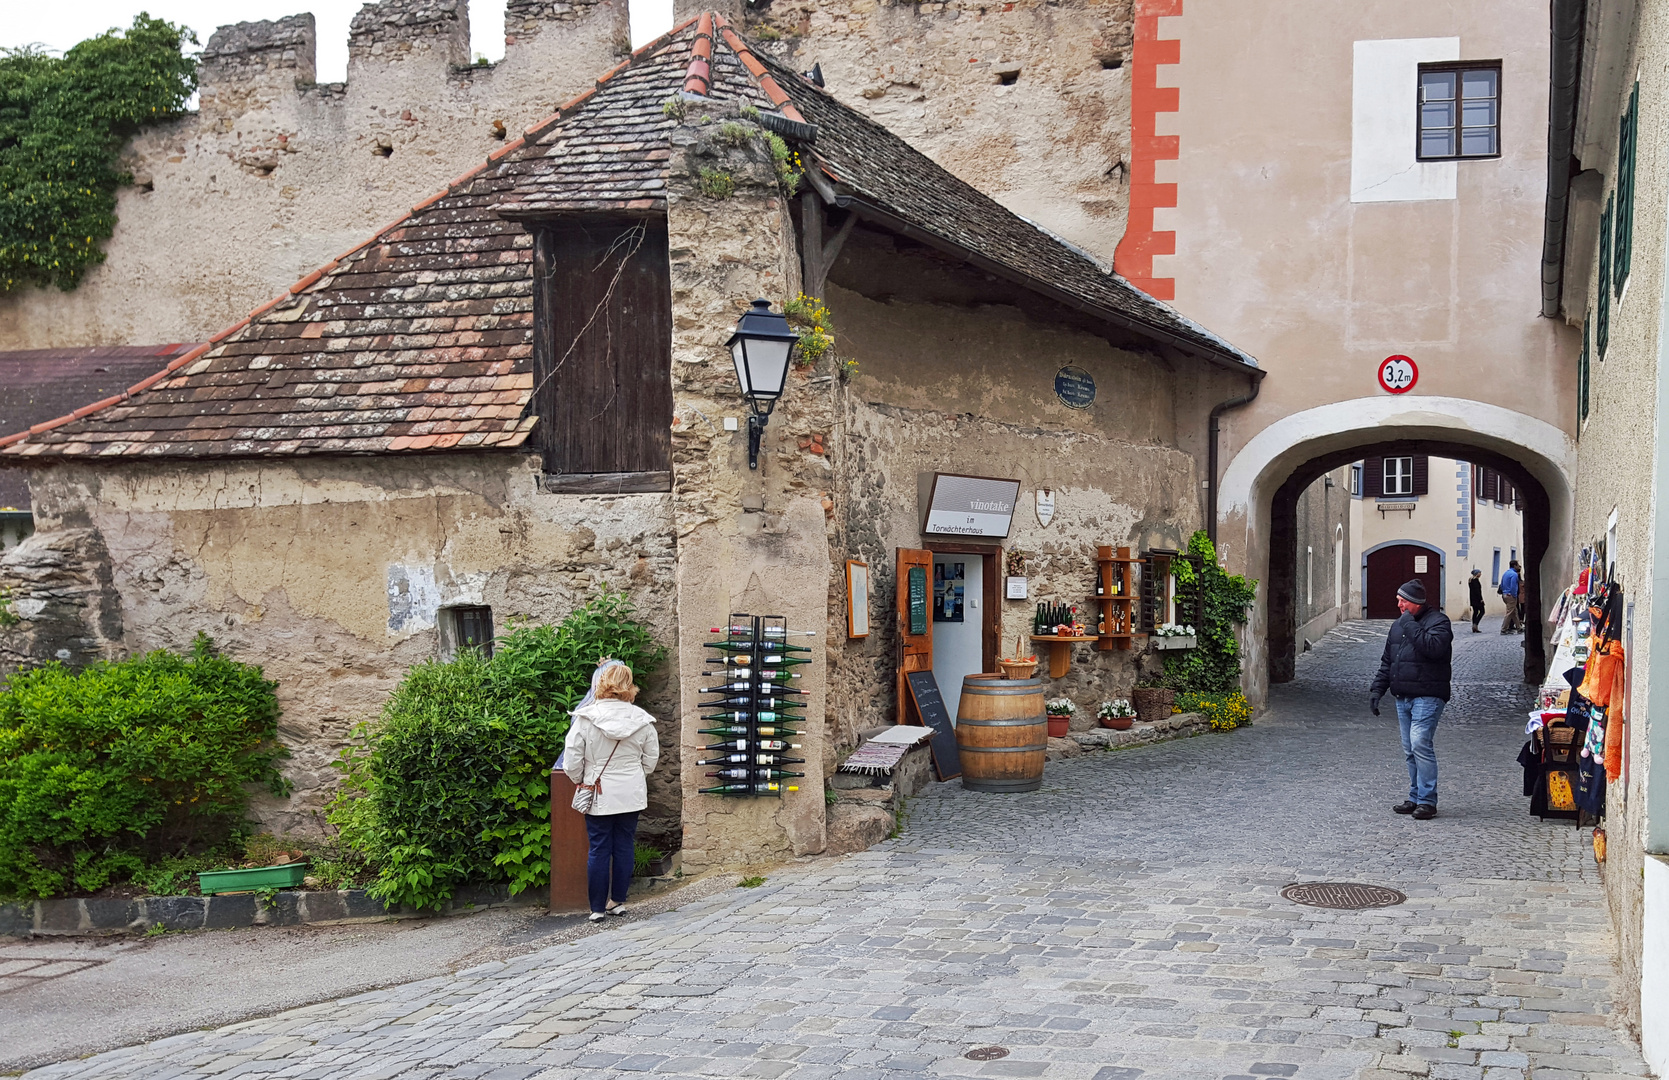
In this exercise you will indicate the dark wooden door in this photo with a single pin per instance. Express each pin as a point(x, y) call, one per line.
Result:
point(1390, 566)
point(603, 346)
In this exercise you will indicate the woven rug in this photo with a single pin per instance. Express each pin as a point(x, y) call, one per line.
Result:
point(873, 757)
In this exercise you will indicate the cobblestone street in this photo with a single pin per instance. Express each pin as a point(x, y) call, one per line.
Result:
point(1123, 922)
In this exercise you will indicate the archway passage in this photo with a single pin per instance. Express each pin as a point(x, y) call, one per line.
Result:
point(1389, 566)
point(1281, 579)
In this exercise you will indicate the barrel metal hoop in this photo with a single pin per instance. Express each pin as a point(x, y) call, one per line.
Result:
point(1001, 749)
point(1019, 721)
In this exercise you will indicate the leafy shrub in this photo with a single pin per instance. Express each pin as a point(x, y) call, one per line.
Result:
point(63, 121)
point(1225, 711)
point(642, 856)
point(452, 785)
point(1213, 665)
point(106, 770)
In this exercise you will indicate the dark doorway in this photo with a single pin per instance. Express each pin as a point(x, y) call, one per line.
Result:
point(1388, 567)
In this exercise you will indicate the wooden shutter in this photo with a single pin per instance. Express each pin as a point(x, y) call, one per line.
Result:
point(1373, 477)
point(1582, 363)
point(1602, 318)
point(603, 353)
point(1622, 245)
point(1422, 471)
point(1490, 491)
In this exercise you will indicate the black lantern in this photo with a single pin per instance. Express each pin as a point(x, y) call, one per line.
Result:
point(761, 349)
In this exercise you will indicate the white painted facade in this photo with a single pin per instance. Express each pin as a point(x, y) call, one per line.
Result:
point(1384, 85)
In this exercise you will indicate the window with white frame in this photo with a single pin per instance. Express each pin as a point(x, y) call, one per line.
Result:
point(1356, 479)
point(1399, 476)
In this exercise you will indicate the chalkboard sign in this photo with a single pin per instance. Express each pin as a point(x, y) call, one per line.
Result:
point(918, 599)
point(930, 706)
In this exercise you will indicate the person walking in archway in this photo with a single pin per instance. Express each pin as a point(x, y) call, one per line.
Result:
point(1416, 671)
point(1476, 589)
point(1509, 592)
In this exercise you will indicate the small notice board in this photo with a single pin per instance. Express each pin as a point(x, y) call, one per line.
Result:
point(930, 707)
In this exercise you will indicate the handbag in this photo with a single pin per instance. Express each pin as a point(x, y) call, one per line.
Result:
point(585, 795)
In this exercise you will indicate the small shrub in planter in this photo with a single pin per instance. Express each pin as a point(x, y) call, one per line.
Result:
point(1060, 712)
point(1117, 714)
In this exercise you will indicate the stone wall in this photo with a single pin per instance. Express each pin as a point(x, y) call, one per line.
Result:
point(331, 574)
point(276, 174)
point(1028, 101)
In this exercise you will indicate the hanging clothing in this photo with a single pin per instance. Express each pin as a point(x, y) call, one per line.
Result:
point(1614, 732)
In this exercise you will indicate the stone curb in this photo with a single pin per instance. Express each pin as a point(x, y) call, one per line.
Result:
point(94, 915)
point(1176, 726)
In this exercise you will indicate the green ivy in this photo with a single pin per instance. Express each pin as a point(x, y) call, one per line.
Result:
point(1213, 666)
point(453, 784)
point(63, 121)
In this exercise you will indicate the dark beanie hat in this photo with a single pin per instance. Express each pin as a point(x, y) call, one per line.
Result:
point(1413, 591)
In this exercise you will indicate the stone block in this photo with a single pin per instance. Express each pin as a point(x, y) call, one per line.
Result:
point(324, 905)
point(284, 910)
point(362, 905)
point(175, 912)
point(913, 772)
point(226, 911)
point(856, 826)
point(873, 796)
point(17, 920)
point(479, 896)
point(848, 781)
point(58, 916)
point(109, 915)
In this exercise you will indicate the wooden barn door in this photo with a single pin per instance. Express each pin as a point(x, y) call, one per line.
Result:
point(915, 600)
point(1390, 566)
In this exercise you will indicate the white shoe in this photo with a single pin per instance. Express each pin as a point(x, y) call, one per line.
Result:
point(618, 909)
point(597, 916)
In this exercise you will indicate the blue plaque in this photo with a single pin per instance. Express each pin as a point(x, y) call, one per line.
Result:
point(1075, 387)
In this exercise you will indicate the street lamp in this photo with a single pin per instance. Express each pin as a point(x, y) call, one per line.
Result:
point(761, 348)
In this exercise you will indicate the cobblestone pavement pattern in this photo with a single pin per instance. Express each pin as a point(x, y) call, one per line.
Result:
point(1123, 922)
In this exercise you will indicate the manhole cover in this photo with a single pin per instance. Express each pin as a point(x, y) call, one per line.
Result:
point(1349, 895)
point(986, 1053)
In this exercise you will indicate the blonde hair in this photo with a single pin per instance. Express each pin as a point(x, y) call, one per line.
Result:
point(616, 682)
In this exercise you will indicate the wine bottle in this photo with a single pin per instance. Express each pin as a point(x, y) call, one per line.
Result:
point(766, 674)
point(1100, 583)
point(754, 774)
point(756, 759)
point(742, 746)
point(742, 716)
point(748, 789)
point(740, 729)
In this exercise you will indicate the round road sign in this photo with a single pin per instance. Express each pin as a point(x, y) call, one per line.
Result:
point(1397, 374)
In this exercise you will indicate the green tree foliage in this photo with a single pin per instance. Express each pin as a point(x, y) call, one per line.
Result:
point(63, 121)
point(1213, 667)
point(108, 769)
point(452, 785)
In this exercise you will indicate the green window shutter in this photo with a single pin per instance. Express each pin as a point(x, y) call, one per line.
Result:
point(1622, 246)
point(1602, 316)
point(1582, 379)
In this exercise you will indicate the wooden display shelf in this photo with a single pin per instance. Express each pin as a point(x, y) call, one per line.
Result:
point(1060, 651)
point(1117, 606)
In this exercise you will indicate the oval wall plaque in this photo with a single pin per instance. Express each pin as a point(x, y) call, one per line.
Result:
point(1075, 387)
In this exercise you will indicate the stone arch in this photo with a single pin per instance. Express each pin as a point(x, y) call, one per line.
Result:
point(1260, 488)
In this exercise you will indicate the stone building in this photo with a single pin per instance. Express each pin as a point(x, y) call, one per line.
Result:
point(519, 390)
point(1604, 255)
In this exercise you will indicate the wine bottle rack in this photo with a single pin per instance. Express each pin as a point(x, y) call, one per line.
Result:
point(753, 713)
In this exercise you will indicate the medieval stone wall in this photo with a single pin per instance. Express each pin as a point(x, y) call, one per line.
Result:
point(276, 174)
point(331, 574)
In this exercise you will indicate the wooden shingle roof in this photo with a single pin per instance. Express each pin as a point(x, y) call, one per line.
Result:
point(421, 338)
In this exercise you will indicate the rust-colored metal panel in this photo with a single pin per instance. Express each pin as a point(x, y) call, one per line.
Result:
point(569, 845)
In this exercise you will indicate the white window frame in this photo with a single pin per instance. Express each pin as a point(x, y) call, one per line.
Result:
point(1398, 479)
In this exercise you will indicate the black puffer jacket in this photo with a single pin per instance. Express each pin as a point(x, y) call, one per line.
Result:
point(1417, 653)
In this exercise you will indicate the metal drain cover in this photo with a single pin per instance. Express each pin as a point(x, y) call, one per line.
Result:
point(986, 1053)
point(1348, 895)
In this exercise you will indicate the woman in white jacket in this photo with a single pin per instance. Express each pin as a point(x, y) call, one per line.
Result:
point(611, 743)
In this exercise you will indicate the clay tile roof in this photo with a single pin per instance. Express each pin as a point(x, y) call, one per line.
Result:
point(421, 338)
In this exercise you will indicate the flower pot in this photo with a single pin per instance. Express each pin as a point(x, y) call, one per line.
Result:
point(1018, 669)
point(288, 876)
point(1152, 703)
point(1184, 642)
point(1118, 723)
point(1059, 726)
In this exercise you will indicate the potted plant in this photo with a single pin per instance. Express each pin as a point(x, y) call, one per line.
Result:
point(1018, 666)
point(1174, 636)
point(1117, 714)
point(1152, 701)
point(1060, 712)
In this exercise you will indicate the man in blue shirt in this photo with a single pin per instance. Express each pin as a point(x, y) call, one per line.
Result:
point(1509, 592)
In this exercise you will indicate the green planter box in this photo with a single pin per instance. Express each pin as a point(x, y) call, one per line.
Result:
point(287, 876)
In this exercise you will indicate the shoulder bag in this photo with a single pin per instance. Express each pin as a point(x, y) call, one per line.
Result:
point(585, 795)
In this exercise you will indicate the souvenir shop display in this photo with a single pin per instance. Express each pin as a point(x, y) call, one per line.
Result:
point(757, 710)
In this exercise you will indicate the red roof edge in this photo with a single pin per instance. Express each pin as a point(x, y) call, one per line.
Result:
point(764, 78)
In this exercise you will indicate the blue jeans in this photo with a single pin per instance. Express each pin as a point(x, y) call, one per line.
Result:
point(608, 868)
point(1417, 717)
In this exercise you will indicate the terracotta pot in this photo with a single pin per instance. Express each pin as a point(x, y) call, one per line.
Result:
point(1118, 723)
point(1059, 726)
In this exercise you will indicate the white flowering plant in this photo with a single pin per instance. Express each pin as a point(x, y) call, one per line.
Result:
point(1114, 709)
point(1174, 630)
point(1060, 707)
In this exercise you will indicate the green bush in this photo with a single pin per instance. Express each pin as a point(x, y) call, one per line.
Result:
point(1225, 711)
point(107, 770)
point(1213, 666)
point(452, 785)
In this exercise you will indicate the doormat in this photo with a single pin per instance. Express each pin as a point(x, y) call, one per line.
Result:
point(1345, 895)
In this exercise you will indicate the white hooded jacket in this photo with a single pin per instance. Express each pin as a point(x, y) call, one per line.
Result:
point(621, 728)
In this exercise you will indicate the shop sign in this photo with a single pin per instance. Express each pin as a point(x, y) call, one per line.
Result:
point(971, 505)
point(918, 599)
point(1075, 387)
point(1398, 374)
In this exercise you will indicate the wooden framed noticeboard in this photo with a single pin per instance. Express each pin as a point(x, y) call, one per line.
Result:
point(857, 599)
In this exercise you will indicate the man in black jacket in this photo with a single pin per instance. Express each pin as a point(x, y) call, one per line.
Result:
point(1475, 588)
point(1415, 669)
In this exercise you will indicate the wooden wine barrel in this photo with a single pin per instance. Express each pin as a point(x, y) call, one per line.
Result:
point(1001, 733)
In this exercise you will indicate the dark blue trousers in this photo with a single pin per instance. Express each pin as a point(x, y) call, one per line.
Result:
point(608, 869)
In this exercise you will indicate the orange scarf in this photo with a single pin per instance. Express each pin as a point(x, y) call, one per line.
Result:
point(1617, 695)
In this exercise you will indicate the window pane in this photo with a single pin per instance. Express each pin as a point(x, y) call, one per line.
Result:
point(1437, 144)
point(1441, 115)
point(1477, 114)
point(1478, 84)
point(1475, 141)
point(1437, 86)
